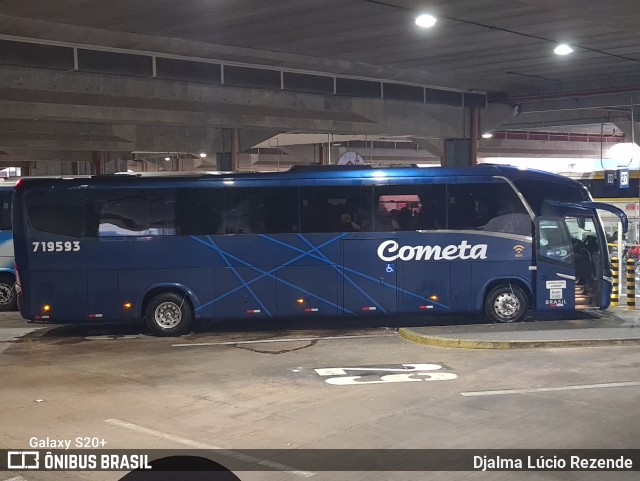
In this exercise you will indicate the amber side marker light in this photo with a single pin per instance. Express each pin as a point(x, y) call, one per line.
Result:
point(46, 308)
point(300, 301)
point(433, 298)
point(127, 305)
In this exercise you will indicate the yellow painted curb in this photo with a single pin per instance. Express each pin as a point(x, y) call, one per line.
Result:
point(413, 336)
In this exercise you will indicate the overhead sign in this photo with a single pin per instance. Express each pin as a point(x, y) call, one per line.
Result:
point(610, 177)
point(623, 178)
point(350, 158)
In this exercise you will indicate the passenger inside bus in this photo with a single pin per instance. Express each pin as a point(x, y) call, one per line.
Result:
point(512, 218)
point(347, 224)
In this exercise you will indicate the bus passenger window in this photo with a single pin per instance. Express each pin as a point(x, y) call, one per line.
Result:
point(398, 212)
point(137, 213)
point(64, 213)
point(489, 206)
point(411, 207)
point(322, 208)
point(199, 211)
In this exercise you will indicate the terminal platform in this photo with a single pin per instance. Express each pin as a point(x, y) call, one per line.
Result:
point(616, 326)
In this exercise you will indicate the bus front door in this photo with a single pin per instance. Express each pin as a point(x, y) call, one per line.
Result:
point(369, 285)
point(555, 267)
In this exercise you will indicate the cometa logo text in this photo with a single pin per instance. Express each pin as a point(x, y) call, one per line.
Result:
point(390, 251)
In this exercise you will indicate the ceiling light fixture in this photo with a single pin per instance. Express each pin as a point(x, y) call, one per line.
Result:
point(563, 49)
point(425, 20)
point(203, 155)
point(487, 135)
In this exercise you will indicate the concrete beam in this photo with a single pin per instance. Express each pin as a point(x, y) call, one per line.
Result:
point(83, 136)
point(80, 97)
point(626, 128)
point(542, 120)
point(540, 148)
point(64, 33)
point(580, 100)
point(435, 148)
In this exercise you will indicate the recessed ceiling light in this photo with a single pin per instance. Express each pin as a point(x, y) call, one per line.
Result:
point(487, 135)
point(167, 159)
point(203, 155)
point(563, 49)
point(425, 20)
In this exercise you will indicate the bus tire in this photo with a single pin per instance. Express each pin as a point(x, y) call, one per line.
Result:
point(8, 295)
point(168, 314)
point(505, 303)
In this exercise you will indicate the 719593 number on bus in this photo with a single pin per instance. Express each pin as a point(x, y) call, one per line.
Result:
point(58, 246)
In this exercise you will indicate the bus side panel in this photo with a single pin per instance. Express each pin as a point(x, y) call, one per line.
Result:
point(424, 285)
point(64, 291)
point(460, 286)
point(102, 294)
point(135, 284)
point(369, 284)
point(243, 292)
point(308, 290)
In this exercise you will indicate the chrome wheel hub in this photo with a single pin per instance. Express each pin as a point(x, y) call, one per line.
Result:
point(506, 306)
point(168, 315)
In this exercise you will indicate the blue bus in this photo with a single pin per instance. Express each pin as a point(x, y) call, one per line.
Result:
point(8, 301)
point(308, 242)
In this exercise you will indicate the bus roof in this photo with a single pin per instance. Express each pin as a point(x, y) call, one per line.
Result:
point(302, 176)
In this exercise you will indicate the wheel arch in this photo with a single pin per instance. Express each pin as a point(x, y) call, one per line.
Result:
point(179, 289)
point(516, 281)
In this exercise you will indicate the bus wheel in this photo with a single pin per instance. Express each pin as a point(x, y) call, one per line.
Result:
point(8, 296)
point(505, 303)
point(168, 314)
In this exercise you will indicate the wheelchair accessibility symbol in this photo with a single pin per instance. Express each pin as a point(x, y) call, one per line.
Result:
point(390, 268)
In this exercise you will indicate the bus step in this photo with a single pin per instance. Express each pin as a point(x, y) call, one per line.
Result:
point(583, 300)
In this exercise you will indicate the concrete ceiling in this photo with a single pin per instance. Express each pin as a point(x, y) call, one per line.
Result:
point(502, 47)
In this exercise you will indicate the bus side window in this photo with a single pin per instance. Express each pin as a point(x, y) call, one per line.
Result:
point(489, 206)
point(410, 207)
point(65, 213)
point(5, 209)
point(280, 210)
point(322, 208)
point(199, 211)
point(136, 212)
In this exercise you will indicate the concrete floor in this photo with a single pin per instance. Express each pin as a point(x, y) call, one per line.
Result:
point(218, 388)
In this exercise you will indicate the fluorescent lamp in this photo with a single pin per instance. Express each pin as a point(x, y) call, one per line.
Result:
point(563, 49)
point(487, 135)
point(425, 20)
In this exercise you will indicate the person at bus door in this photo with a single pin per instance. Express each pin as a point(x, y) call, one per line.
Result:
point(511, 219)
point(347, 224)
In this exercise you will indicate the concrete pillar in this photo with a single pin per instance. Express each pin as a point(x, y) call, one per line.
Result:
point(457, 153)
point(234, 150)
point(473, 133)
point(97, 163)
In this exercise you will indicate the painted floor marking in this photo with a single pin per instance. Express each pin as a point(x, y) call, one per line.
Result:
point(264, 341)
point(16, 478)
point(198, 445)
point(384, 374)
point(549, 389)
